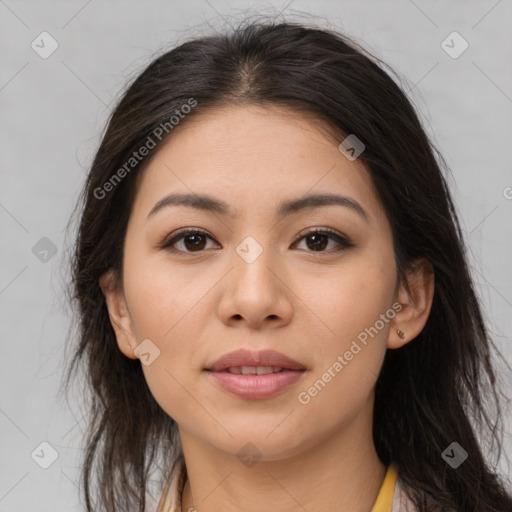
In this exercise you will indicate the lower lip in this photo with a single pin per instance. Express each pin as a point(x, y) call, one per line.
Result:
point(256, 386)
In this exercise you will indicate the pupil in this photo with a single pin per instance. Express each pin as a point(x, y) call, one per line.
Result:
point(315, 245)
point(198, 242)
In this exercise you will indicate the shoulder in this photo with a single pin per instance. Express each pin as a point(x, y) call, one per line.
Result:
point(171, 496)
point(402, 502)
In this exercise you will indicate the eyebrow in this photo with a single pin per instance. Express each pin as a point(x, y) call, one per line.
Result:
point(211, 204)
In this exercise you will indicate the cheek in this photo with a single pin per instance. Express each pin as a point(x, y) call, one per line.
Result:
point(349, 332)
point(165, 385)
point(161, 297)
point(343, 302)
point(164, 309)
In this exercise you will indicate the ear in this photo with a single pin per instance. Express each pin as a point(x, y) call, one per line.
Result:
point(416, 305)
point(118, 312)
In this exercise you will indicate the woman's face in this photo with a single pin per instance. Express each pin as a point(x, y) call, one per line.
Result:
point(253, 279)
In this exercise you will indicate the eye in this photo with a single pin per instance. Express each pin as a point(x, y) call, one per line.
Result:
point(318, 239)
point(194, 240)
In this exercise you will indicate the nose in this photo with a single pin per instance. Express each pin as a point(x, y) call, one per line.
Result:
point(256, 292)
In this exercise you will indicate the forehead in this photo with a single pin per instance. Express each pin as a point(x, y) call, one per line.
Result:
point(253, 157)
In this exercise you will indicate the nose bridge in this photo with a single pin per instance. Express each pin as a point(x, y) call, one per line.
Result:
point(250, 250)
point(253, 262)
point(255, 290)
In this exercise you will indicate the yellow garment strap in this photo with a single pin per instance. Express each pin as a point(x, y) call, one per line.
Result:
point(384, 500)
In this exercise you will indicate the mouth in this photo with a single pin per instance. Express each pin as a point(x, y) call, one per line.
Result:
point(255, 375)
point(255, 370)
point(248, 362)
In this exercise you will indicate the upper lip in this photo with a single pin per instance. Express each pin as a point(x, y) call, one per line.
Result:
point(244, 357)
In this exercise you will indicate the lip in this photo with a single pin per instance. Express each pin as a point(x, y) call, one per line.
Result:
point(244, 357)
point(255, 386)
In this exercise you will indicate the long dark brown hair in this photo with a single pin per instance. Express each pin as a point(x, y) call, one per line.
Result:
point(439, 389)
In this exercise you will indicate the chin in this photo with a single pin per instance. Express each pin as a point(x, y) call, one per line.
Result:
point(254, 445)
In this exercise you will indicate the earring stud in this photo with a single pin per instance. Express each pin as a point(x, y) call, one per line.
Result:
point(401, 334)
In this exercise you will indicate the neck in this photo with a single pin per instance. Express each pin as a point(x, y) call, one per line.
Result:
point(342, 472)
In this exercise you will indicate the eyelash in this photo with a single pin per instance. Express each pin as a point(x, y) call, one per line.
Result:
point(333, 235)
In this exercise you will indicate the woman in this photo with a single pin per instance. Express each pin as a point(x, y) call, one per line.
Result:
point(266, 227)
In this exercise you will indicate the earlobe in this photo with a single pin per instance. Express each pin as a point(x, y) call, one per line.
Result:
point(416, 304)
point(118, 313)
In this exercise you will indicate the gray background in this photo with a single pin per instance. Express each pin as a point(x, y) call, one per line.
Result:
point(53, 111)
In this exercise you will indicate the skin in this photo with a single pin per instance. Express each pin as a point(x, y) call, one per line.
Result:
point(308, 304)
